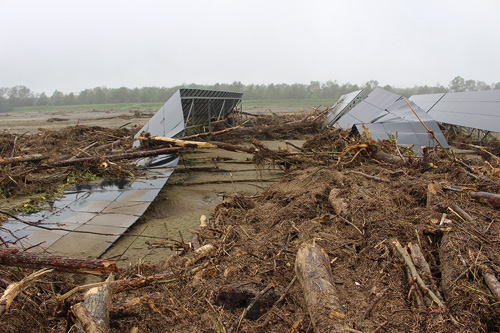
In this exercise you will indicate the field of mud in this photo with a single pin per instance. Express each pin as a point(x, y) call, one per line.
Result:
point(365, 204)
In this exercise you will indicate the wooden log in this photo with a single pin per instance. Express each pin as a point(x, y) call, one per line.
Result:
point(115, 157)
point(20, 159)
point(389, 158)
point(179, 142)
point(124, 285)
point(491, 198)
point(197, 144)
point(423, 269)
point(212, 133)
point(97, 303)
point(463, 213)
point(339, 205)
point(491, 281)
point(87, 323)
point(415, 275)
point(16, 258)
point(312, 268)
point(201, 252)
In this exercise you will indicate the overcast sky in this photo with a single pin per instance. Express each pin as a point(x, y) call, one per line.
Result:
point(71, 45)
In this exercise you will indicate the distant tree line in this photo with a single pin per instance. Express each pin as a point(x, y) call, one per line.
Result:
point(19, 96)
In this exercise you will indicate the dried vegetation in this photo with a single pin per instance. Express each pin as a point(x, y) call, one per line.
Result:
point(342, 193)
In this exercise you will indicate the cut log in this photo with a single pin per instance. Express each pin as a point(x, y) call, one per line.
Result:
point(87, 323)
point(94, 313)
point(491, 198)
point(16, 258)
point(389, 158)
point(312, 268)
point(339, 205)
point(201, 252)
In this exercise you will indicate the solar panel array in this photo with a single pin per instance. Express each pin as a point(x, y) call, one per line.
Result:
point(387, 115)
point(474, 109)
point(367, 109)
point(400, 121)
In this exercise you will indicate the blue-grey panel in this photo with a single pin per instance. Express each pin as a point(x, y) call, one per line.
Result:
point(343, 105)
point(475, 109)
point(168, 121)
point(377, 101)
point(427, 101)
point(400, 120)
point(110, 207)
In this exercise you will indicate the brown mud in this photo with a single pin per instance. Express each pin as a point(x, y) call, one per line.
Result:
point(256, 238)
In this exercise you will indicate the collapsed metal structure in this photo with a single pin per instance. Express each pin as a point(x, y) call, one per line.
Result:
point(387, 116)
point(88, 219)
point(191, 111)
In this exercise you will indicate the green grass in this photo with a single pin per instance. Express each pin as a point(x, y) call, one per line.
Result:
point(270, 103)
point(88, 107)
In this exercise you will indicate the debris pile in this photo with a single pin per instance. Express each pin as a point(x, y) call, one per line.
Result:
point(357, 236)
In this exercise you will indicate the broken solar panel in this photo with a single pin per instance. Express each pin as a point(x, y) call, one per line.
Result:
point(344, 104)
point(399, 121)
point(378, 100)
point(192, 111)
point(474, 109)
point(107, 209)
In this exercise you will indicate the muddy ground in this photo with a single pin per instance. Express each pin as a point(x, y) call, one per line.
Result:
point(256, 237)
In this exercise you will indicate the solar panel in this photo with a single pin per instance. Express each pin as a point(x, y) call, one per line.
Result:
point(427, 101)
point(193, 110)
point(344, 104)
point(399, 120)
point(377, 101)
point(474, 109)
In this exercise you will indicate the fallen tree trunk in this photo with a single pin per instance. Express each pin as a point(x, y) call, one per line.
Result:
point(19, 159)
point(179, 142)
point(114, 157)
point(93, 313)
point(16, 258)
point(312, 268)
point(197, 144)
point(491, 198)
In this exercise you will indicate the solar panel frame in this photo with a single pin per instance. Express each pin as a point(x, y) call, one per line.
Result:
point(474, 109)
point(344, 104)
point(367, 109)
